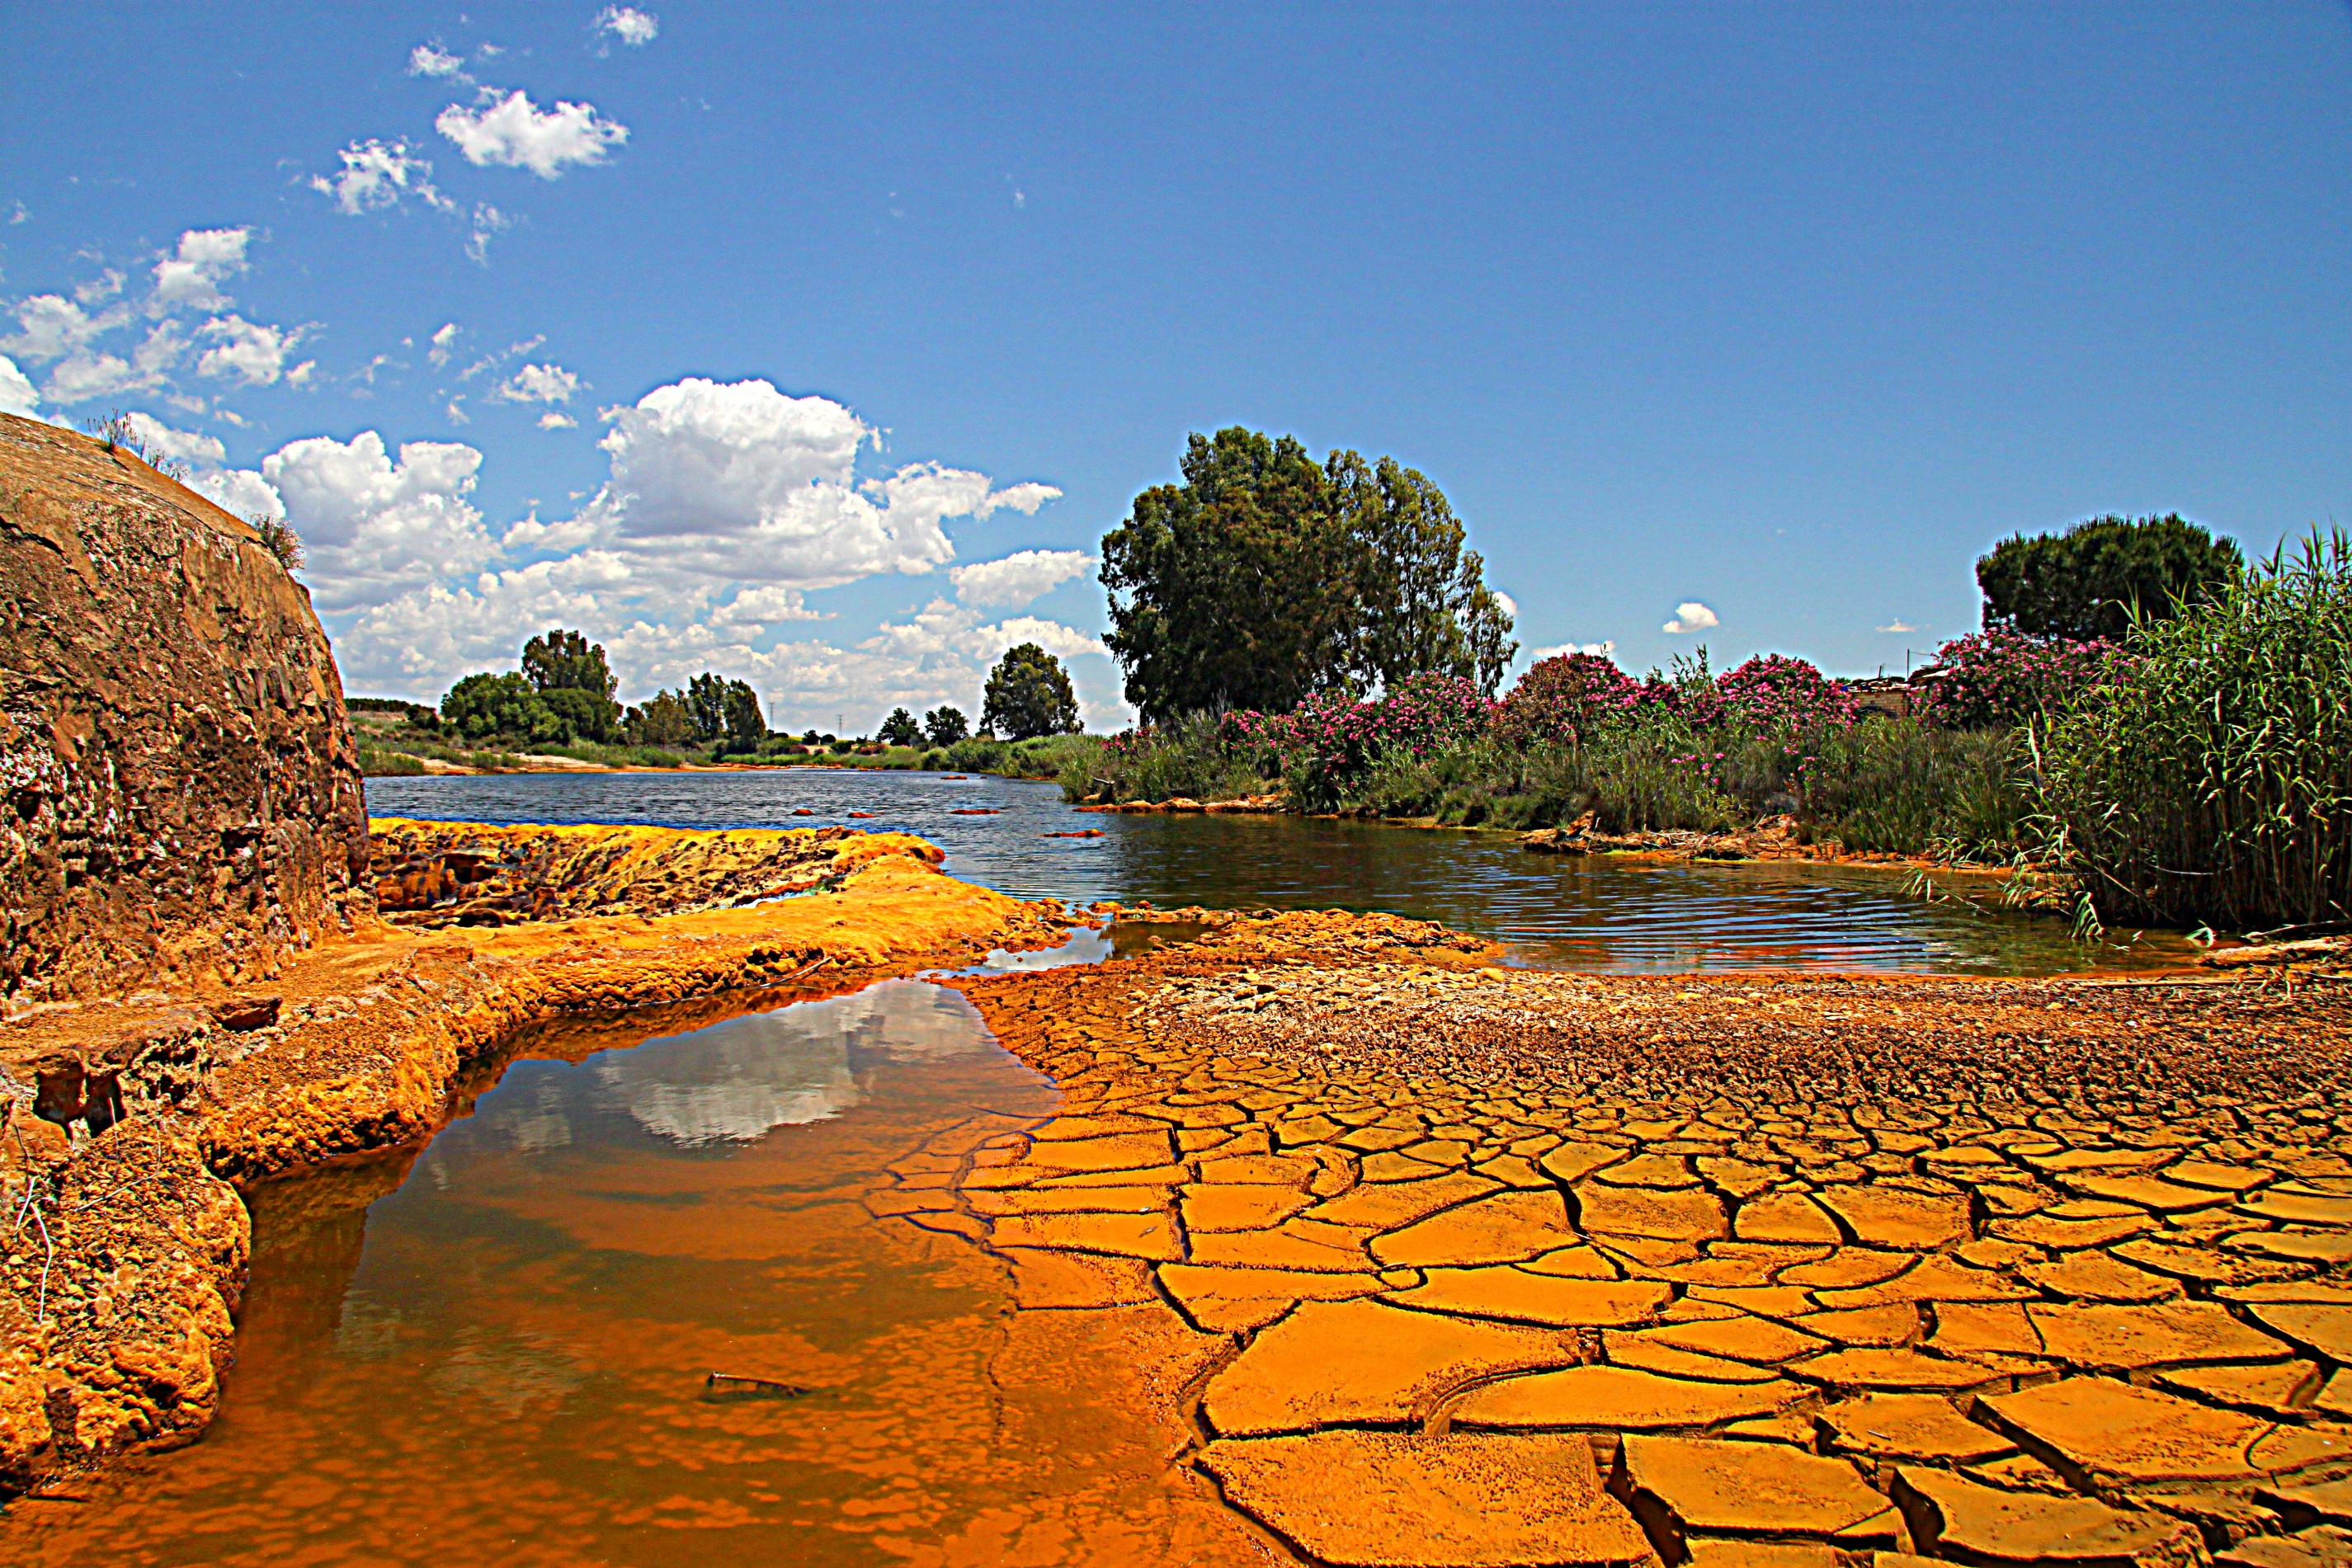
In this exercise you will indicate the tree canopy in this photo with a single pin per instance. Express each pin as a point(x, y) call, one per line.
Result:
point(944, 726)
point(486, 704)
point(2086, 581)
point(899, 729)
point(1265, 577)
point(1028, 693)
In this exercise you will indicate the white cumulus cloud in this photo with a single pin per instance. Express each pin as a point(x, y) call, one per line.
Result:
point(1017, 579)
point(513, 132)
point(425, 60)
point(378, 175)
point(1691, 616)
point(726, 505)
point(736, 482)
point(376, 526)
point(632, 26)
point(1603, 649)
point(190, 278)
point(17, 394)
point(537, 383)
point(248, 352)
point(1898, 625)
point(442, 342)
point(551, 420)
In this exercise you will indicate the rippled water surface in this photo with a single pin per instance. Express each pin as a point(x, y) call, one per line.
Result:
point(1588, 913)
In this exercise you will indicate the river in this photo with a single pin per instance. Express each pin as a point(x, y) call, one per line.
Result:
point(494, 1347)
point(1600, 913)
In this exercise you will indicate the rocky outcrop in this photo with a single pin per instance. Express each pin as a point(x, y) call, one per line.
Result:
point(180, 801)
point(466, 873)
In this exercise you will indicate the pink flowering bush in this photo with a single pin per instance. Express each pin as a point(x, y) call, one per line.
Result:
point(1333, 741)
point(1998, 678)
point(1993, 680)
point(1563, 699)
point(1772, 691)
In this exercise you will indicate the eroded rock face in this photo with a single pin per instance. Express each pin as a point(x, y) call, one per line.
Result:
point(179, 792)
point(437, 875)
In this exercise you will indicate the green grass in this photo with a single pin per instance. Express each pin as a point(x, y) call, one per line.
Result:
point(2208, 779)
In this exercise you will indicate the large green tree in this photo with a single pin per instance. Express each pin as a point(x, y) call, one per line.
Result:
point(1029, 694)
point(1265, 577)
point(574, 682)
point(739, 718)
point(487, 705)
point(2087, 581)
point(899, 729)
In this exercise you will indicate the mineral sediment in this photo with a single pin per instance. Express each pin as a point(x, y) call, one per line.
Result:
point(179, 790)
point(1811, 1269)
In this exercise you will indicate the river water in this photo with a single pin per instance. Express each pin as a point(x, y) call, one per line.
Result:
point(495, 1347)
point(1600, 913)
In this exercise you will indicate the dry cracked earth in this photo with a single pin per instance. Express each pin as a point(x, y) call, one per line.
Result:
point(1442, 1264)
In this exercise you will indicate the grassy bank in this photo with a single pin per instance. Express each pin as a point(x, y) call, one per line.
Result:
point(2199, 772)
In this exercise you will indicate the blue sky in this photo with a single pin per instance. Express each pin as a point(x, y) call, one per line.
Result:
point(1783, 312)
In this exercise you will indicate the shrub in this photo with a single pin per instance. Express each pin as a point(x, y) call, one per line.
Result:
point(1772, 691)
point(2209, 779)
point(1332, 741)
point(1561, 699)
point(1999, 679)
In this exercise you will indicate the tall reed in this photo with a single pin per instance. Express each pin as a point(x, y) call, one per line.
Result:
point(2208, 777)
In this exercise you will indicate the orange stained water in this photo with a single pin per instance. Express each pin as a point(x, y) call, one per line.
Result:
point(496, 1349)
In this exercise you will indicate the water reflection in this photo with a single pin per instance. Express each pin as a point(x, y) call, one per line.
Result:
point(1601, 913)
point(497, 1351)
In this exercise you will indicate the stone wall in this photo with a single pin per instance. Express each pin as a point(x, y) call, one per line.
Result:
point(180, 799)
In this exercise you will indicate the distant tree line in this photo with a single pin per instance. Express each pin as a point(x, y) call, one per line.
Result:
point(563, 693)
